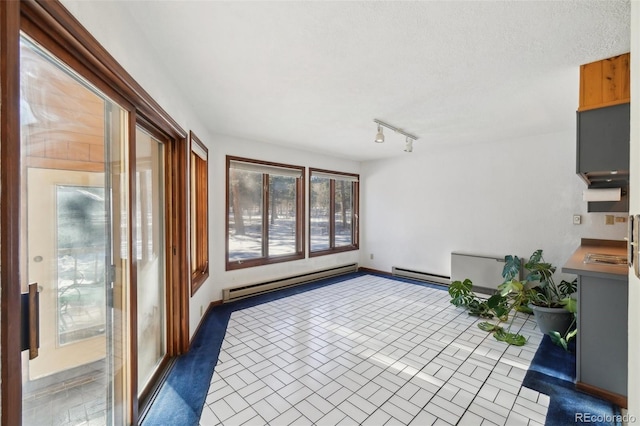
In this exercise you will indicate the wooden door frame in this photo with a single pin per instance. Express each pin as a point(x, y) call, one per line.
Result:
point(11, 387)
point(51, 25)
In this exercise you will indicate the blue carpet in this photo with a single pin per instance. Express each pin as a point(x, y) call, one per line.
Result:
point(181, 397)
point(552, 372)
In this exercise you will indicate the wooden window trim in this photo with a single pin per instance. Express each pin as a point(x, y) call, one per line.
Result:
point(355, 214)
point(201, 186)
point(11, 386)
point(300, 217)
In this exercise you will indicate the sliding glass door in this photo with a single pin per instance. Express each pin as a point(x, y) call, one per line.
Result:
point(94, 191)
point(75, 245)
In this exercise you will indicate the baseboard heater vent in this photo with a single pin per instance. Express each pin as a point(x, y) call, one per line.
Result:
point(420, 276)
point(235, 293)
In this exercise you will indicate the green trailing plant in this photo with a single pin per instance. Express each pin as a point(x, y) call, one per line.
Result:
point(463, 296)
point(510, 297)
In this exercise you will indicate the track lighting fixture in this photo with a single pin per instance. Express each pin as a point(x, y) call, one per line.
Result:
point(408, 147)
point(380, 136)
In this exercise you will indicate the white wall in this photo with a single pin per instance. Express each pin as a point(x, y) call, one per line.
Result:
point(504, 197)
point(633, 396)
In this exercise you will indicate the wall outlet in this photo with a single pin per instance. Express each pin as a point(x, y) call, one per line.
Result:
point(577, 219)
point(609, 219)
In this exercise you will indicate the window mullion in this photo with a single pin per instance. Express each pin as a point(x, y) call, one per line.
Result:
point(265, 215)
point(300, 199)
point(332, 213)
point(354, 217)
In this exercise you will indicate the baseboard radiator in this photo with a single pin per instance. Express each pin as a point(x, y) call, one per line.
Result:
point(485, 272)
point(235, 293)
point(420, 276)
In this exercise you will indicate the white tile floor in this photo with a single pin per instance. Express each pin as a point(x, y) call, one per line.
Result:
point(371, 351)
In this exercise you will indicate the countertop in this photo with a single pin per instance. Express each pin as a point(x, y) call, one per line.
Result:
point(576, 265)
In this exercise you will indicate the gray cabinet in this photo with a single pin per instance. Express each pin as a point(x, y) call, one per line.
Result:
point(601, 358)
point(603, 141)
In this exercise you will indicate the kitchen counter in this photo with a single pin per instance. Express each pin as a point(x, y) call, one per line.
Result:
point(576, 264)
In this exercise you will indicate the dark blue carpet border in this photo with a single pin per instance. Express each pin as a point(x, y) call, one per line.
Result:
point(553, 372)
point(181, 397)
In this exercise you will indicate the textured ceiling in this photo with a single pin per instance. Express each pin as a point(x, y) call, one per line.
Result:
point(313, 75)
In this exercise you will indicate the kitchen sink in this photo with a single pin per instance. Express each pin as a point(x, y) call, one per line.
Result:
point(605, 259)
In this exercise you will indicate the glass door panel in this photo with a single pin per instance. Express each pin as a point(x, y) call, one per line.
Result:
point(74, 198)
point(66, 252)
point(150, 249)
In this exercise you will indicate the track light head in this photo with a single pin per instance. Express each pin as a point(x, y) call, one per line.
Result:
point(380, 135)
point(408, 147)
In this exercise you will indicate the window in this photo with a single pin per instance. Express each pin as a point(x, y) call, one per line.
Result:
point(199, 213)
point(264, 212)
point(333, 210)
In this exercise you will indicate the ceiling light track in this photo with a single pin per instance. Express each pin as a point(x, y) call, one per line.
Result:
point(380, 135)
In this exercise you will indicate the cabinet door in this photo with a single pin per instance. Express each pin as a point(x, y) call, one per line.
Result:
point(602, 334)
point(603, 139)
point(605, 82)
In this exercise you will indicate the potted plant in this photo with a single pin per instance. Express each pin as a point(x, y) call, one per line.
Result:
point(552, 304)
point(510, 298)
point(546, 300)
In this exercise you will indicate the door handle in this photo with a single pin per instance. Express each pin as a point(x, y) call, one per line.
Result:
point(635, 238)
point(30, 330)
point(631, 243)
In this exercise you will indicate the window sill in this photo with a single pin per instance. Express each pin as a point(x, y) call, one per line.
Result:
point(250, 263)
point(333, 251)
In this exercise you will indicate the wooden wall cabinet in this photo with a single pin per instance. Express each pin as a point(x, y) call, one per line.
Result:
point(605, 83)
